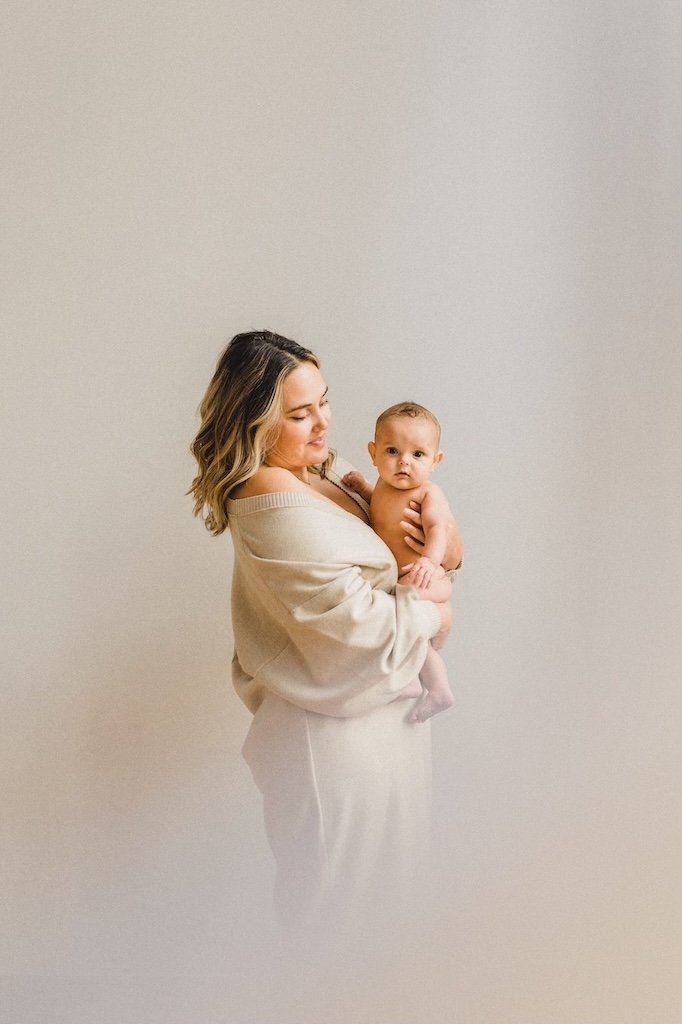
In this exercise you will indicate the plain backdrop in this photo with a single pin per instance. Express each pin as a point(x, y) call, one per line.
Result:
point(472, 205)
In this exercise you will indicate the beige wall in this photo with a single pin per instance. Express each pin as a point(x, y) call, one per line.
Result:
point(475, 205)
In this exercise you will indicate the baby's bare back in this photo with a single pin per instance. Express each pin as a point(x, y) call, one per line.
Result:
point(387, 510)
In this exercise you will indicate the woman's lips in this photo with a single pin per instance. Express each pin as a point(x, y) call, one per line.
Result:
point(319, 442)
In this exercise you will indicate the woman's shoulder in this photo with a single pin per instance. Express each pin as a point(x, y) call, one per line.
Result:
point(269, 480)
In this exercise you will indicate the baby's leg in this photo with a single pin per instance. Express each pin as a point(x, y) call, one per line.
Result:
point(438, 695)
point(439, 591)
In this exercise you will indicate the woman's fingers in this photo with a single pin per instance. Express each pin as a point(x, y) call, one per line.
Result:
point(413, 513)
point(413, 528)
point(415, 537)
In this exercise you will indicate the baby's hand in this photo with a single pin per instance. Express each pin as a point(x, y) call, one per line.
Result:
point(356, 482)
point(422, 572)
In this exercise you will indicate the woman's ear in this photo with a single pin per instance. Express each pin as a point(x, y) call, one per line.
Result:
point(372, 449)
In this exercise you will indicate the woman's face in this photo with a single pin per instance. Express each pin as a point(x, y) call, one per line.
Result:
point(301, 440)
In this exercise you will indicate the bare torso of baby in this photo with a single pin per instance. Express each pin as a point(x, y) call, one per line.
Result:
point(387, 509)
point(386, 512)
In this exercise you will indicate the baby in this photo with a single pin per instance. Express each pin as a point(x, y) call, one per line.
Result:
point(405, 450)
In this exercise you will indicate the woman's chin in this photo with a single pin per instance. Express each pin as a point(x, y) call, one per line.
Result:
point(319, 454)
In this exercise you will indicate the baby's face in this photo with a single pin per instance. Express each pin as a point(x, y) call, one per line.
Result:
point(405, 451)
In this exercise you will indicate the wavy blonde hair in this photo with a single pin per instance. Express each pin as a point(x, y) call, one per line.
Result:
point(240, 415)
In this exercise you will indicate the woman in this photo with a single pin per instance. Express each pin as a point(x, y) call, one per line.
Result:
point(327, 649)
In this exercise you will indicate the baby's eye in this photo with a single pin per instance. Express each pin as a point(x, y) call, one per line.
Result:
point(419, 454)
point(391, 451)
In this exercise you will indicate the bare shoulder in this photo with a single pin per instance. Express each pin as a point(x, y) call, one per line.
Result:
point(269, 480)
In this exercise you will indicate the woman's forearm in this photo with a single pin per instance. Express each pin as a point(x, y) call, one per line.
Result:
point(351, 648)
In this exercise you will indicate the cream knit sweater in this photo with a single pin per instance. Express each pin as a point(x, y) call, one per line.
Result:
point(317, 616)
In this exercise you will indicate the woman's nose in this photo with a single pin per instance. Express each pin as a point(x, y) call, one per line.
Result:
point(321, 420)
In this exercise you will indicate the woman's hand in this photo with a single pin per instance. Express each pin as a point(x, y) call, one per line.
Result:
point(415, 538)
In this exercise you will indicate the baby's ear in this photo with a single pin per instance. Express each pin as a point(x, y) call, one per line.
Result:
point(372, 449)
point(438, 457)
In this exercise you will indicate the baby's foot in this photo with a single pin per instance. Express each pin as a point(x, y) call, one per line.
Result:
point(431, 703)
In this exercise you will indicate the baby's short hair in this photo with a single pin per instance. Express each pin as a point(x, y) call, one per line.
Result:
point(410, 409)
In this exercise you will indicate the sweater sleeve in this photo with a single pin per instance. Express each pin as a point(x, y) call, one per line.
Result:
point(349, 647)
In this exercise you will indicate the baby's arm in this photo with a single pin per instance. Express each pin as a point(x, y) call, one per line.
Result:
point(359, 484)
point(435, 514)
point(414, 536)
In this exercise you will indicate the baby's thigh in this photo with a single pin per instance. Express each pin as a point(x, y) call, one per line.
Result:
point(439, 590)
